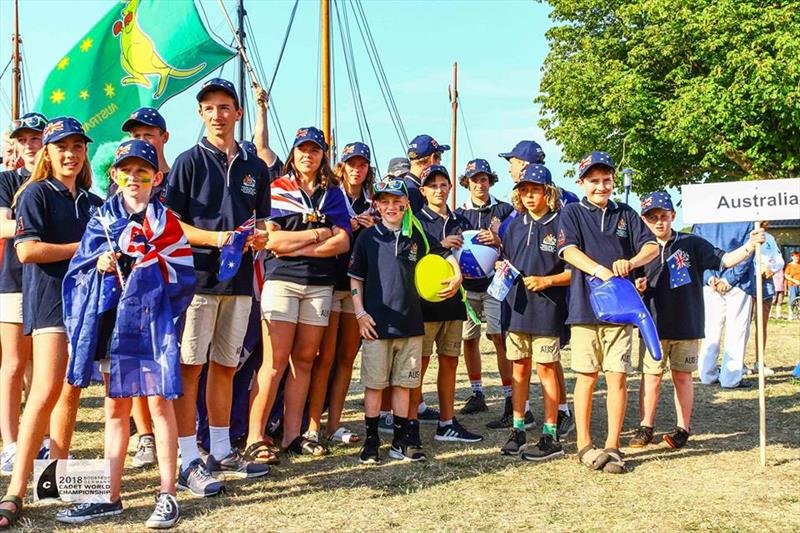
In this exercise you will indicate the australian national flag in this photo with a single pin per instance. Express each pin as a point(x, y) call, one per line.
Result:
point(144, 342)
point(287, 198)
point(231, 256)
point(678, 264)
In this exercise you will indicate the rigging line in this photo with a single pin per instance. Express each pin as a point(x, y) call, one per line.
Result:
point(208, 24)
point(283, 46)
point(344, 35)
point(335, 117)
point(466, 129)
point(6, 68)
point(380, 85)
point(26, 81)
point(383, 72)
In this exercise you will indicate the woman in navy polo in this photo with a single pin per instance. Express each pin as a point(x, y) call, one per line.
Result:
point(342, 339)
point(53, 208)
point(300, 272)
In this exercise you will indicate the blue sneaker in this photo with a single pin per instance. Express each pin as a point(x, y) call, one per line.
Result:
point(386, 423)
point(44, 451)
point(166, 514)
point(796, 371)
point(199, 481)
point(7, 459)
point(89, 511)
point(428, 416)
point(234, 465)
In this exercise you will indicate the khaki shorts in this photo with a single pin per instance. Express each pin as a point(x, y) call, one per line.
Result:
point(215, 325)
point(603, 347)
point(11, 308)
point(541, 349)
point(342, 303)
point(488, 309)
point(682, 357)
point(51, 329)
point(446, 335)
point(287, 301)
point(396, 362)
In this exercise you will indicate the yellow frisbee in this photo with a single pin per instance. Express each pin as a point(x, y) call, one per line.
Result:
point(431, 271)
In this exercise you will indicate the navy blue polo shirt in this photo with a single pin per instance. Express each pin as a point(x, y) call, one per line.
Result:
point(275, 170)
point(385, 261)
point(437, 228)
point(317, 271)
point(530, 245)
point(488, 216)
point(208, 193)
point(358, 205)
point(605, 235)
point(415, 197)
point(47, 212)
point(11, 269)
point(679, 313)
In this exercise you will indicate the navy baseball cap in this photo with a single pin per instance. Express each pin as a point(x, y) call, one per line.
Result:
point(593, 159)
point(28, 121)
point(310, 134)
point(657, 200)
point(356, 149)
point(529, 151)
point(399, 166)
point(136, 148)
point(477, 166)
point(432, 171)
point(145, 116)
point(218, 84)
point(423, 146)
point(389, 185)
point(535, 173)
point(61, 127)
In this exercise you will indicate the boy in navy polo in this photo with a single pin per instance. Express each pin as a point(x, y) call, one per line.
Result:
point(214, 188)
point(389, 317)
point(16, 348)
point(537, 307)
point(484, 212)
point(673, 290)
point(444, 321)
point(600, 238)
point(423, 151)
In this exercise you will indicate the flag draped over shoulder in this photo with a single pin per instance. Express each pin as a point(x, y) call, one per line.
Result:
point(287, 198)
point(143, 350)
point(141, 53)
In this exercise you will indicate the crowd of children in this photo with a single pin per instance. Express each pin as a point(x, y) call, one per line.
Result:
point(336, 251)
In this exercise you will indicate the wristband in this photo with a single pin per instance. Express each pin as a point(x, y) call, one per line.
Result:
point(220, 238)
point(360, 314)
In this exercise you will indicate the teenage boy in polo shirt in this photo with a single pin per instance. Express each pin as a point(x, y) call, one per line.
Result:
point(423, 151)
point(444, 321)
point(389, 316)
point(600, 238)
point(484, 212)
point(673, 290)
point(214, 188)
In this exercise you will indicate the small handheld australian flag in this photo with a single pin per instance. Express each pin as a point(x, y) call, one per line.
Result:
point(231, 256)
point(678, 264)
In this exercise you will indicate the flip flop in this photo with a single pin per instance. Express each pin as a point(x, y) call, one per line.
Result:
point(259, 452)
point(345, 436)
point(592, 458)
point(10, 516)
point(615, 463)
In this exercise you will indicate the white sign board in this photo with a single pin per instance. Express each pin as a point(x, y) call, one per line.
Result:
point(741, 201)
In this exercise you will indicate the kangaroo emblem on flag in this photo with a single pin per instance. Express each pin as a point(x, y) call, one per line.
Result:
point(139, 57)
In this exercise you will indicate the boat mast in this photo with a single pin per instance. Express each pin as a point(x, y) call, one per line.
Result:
point(325, 65)
point(454, 105)
point(240, 12)
point(16, 72)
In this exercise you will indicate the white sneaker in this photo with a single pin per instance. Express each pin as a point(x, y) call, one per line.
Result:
point(767, 370)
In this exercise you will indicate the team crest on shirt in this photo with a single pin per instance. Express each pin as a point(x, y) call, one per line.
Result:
point(548, 243)
point(249, 185)
point(622, 228)
point(412, 252)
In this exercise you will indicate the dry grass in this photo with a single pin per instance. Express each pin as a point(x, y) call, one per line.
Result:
point(713, 484)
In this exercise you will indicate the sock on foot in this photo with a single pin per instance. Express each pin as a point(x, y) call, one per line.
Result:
point(527, 406)
point(220, 441)
point(549, 429)
point(189, 450)
point(372, 426)
point(476, 383)
point(400, 428)
point(421, 408)
point(506, 388)
point(519, 423)
point(564, 408)
point(445, 423)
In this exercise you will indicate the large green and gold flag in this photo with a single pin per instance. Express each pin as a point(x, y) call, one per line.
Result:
point(141, 53)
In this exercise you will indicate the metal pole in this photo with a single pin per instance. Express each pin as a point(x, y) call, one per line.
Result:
point(627, 181)
point(760, 328)
point(242, 67)
point(325, 16)
point(16, 71)
point(454, 105)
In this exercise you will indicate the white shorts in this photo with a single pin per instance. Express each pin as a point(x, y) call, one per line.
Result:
point(11, 307)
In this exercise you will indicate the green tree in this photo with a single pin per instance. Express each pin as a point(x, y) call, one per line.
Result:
point(682, 92)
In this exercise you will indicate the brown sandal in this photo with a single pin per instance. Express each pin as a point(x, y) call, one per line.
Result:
point(10, 516)
point(615, 463)
point(592, 458)
point(259, 452)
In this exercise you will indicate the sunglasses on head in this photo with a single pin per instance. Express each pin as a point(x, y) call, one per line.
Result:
point(35, 122)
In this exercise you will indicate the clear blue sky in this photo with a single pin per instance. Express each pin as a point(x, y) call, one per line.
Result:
point(499, 46)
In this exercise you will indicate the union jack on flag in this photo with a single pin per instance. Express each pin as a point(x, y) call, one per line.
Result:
point(53, 127)
point(678, 264)
point(286, 198)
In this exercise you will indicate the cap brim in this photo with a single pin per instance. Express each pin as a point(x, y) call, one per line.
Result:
point(225, 90)
point(443, 148)
point(299, 142)
point(149, 163)
point(507, 155)
point(585, 170)
point(350, 156)
point(64, 135)
point(14, 133)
